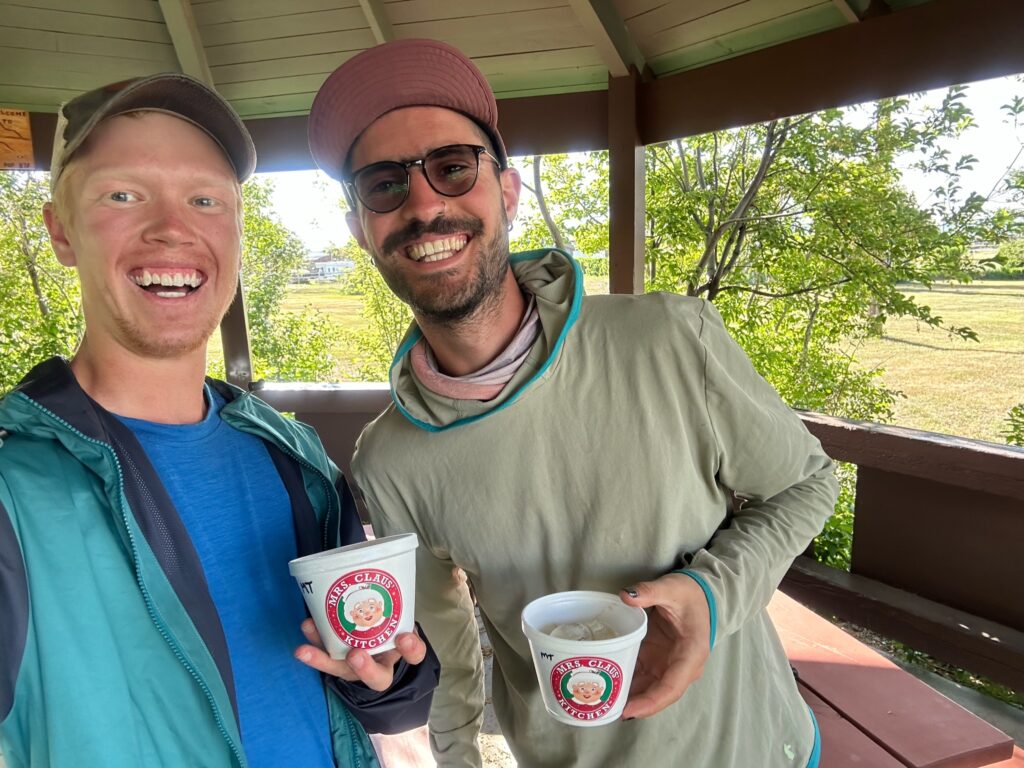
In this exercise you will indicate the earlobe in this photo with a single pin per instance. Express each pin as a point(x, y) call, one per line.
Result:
point(356, 228)
point(59, 237)
point(511, 186)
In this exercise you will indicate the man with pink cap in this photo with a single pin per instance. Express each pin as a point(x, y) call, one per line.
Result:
point(541, 441)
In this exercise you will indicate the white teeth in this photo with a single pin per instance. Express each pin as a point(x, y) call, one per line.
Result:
point(171, 294)
point(177, 280)
point(440, 249)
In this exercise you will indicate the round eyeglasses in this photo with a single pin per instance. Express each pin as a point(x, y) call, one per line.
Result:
point(450, 171)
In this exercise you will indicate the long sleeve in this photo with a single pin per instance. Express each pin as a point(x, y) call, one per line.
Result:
point(774, 465)
point(444, 608)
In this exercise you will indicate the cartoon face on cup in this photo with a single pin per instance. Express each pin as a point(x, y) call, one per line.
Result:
point(584, 647)
point(587, 687)
point(362, 595)
point(365, 607)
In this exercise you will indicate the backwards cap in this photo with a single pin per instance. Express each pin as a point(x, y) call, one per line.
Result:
point(401, 73)
point(174, 94)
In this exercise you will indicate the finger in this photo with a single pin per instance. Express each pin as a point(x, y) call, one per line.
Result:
point(376, 672)
point(312, 635)
point(411, 647)
point(662, 691)
point(316, 658)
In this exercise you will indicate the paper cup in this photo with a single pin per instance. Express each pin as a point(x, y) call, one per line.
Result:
point(584, 682)
point(362, 595)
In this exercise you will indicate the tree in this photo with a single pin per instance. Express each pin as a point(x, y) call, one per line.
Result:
point(286, 345)
point(387, 315)
point(40, 315)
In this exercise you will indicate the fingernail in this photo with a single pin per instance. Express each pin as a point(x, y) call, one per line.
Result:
point(356, 662)
point(632, 593)
point(303, 655)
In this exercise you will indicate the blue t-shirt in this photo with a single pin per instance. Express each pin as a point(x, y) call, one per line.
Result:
point(237, 511)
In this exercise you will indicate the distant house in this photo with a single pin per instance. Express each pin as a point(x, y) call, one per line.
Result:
point(323, 271)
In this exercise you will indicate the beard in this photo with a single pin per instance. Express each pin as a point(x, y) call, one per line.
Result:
point(146, 344)
point(438, 298)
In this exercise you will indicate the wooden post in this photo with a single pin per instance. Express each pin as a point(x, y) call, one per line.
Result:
point(234, 338)
point(626, 186)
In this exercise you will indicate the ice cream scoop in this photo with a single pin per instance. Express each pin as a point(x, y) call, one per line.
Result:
point(587, 630)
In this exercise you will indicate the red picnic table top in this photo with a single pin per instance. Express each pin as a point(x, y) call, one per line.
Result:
point(871, 712)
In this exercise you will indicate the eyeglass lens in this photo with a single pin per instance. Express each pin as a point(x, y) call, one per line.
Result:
point(451, 171)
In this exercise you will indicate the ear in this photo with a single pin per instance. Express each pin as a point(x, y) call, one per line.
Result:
point(511, 186)
point(59, 237)
point(355, 226)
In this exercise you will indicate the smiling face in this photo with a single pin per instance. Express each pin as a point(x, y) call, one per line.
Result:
point(585, 692)
point(153, 225)
point(367, 613)
point(444, 256)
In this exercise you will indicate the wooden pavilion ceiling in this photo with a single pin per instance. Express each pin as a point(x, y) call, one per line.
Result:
point(697, 64)
point(268, 57)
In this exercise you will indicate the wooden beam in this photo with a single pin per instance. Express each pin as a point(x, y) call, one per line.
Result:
point(971, 464)
point(609, 35)
point(974, 643)
point(932, 45)
point(626, 188)
point(848, 13)
point(234, 333)
point(188, 45)
point(377, 17)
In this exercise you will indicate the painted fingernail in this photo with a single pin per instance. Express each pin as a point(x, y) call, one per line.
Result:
point(632, 593)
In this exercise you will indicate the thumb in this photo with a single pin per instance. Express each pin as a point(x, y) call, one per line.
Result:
point(646, 594)
point(643, 594)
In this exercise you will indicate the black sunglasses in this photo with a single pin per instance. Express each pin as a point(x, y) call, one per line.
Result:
point(450, 171)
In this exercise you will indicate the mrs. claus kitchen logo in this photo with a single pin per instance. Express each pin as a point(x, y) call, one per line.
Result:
point(586, 687)
point(364, 608)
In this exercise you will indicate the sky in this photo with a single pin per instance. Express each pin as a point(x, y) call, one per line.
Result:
point(307, 201)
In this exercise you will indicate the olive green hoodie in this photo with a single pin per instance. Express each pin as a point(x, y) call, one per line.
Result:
point(610, 458)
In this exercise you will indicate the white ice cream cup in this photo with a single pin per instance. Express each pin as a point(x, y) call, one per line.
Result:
point(361, 595)
point(584, 682)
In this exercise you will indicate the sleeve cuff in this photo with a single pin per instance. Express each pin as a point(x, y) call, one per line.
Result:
point(709, 596)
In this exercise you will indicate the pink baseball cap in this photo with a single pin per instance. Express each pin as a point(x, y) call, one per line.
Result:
point(401, 73)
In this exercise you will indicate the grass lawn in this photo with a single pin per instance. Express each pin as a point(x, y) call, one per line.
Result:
point(950, 385)
point(346, 311)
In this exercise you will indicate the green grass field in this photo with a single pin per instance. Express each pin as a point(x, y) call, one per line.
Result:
point(950, 385)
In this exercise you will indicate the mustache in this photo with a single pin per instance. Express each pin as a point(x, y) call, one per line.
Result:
point(439, 226)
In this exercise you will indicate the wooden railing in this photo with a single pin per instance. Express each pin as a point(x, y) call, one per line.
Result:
point(938, 546)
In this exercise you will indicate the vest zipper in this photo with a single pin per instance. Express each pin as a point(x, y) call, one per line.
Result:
point(150, 608)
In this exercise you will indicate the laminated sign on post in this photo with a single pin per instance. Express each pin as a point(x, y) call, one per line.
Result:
point(15, 140)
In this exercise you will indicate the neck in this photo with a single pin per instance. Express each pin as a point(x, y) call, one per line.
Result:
point(166, 391)
point(467, 346)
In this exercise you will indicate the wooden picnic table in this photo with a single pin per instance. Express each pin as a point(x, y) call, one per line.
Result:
point(873, 713)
